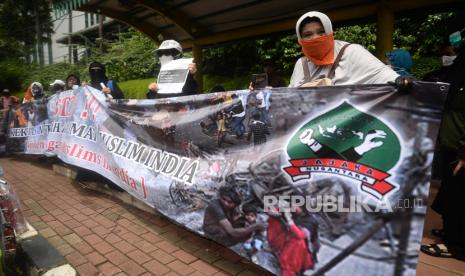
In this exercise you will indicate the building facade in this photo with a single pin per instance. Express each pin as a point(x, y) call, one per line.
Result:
point(75, 33)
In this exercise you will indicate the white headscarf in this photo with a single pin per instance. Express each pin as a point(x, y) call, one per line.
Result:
point(325, 21)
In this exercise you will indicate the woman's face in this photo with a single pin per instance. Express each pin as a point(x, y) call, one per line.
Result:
point(312, 30)
point(71, 81)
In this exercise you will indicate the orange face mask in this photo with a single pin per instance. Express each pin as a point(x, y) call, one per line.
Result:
point(319, 50)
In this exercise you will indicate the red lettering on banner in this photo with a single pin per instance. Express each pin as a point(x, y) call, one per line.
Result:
point(64, 106)
point(142, 183)
point(378, 189)
point(91, 108)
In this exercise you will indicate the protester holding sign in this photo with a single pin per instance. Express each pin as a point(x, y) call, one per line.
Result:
point(99, 80)
point(449, 202)
point(176, 77)
point(356, 65)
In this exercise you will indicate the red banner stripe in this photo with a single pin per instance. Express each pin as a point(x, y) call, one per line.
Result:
point(380, 186)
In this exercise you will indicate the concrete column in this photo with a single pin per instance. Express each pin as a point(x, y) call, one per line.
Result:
point(197, 53)
point(384, 29)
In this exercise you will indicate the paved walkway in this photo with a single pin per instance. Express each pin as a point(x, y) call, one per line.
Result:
point(102, 236)
point(431, 266)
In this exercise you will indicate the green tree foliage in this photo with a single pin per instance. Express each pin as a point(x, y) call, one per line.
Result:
point(12, 74)
point(364, 35)
point(284, 51)
point(422, 35)
point(18, 36)
point(46, 74)
point(17, 26)
point(224, 61)
point(131, 57)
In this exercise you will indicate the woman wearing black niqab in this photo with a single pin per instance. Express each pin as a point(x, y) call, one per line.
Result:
point(98, 75)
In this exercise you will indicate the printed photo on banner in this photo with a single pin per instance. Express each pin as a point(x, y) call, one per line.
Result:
point(285, 177)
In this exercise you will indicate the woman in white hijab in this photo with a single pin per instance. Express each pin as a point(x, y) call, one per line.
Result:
point(356, 66)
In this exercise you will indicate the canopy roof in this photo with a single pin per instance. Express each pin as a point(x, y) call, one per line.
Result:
point(207, 22)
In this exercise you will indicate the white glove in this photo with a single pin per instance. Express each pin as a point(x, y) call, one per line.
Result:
point(368, 143)
point(306, 137)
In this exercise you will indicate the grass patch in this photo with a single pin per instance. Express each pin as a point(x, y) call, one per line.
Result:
point(135, 89)
point(424, 65)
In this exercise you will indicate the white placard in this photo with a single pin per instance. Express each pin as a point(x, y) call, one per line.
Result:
point(173, 75)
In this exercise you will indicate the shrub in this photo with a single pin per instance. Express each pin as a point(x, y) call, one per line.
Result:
point(135, 89)
point(11, 76)
point(47, 74)
point(423, 65)
point(131, 57)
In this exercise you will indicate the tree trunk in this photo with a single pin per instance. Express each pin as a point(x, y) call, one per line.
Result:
point(40, 47)
point(100, 32)
point(70, 31)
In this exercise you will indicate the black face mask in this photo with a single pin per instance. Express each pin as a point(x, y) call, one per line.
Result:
point(169, 52)
point(97, 73)
point(36, 92)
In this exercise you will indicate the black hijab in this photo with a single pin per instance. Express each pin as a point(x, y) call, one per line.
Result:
point(97, 74)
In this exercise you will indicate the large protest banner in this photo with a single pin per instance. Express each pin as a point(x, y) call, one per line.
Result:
point(324, 180)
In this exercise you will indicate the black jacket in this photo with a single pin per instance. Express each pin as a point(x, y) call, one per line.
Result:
point(189, 88)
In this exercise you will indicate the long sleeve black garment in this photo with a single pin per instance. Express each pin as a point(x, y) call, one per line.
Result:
point(189, 88)
point(449, 200)
point(452, 131)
